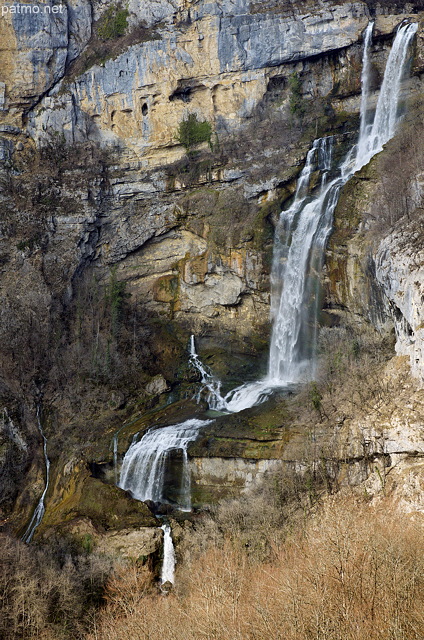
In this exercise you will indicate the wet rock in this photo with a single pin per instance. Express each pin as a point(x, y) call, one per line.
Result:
point(109, 507)
point(163, 509)
point(156, 386)
point(117, 400)
point(166, 587)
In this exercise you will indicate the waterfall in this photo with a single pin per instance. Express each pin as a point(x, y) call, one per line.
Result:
point(209, 383)
point(303, 230)
point(145, 463)
point(299, 247)
point(40, 508)
point(373, 137)
point(168, 564)
point(115, 456)
point(299, 244)
point(365, 82)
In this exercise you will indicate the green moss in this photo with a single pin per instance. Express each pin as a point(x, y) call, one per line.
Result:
point(87, 543)
point(263, 230)
point(257, 433)
point(109, 507)
point(159, 417)
point(166, 289)
point(113, 23)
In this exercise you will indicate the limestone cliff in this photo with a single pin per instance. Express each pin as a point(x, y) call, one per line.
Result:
point(117, 242)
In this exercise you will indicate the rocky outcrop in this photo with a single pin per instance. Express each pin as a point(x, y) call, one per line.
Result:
point(218, 65)
point(367, 444)
point(400, 272)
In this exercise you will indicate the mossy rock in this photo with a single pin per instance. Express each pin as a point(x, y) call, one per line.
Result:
point(259, 433)
point(233, 367)
point(165, 289)
point(171, 414)
point(109, 507)
point(81, 497)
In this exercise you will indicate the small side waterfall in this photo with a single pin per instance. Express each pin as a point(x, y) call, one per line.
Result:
point(168, 564)
point(38, 514)
point(145, 463)
point(210, 384)
point(115, 456)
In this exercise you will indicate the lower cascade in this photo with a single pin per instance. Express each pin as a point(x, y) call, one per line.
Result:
point(168, 564)
point(299, 248)
point(146, 462)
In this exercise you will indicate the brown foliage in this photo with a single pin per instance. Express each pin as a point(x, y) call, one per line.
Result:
point(401, 169)
point(352, 573)
point(47, 593)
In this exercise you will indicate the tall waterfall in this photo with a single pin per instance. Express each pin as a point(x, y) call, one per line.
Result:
point(303, 230)
point(299, 248)
point(299, 244)
point(365, 80)
point(38, 514)
point(374, 136)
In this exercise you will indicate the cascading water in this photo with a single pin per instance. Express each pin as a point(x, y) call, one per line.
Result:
point(303, 230)
point(299, 247)
point(209, 384)
point(145, 463)
point(40, 508)
point(365, 81)
point(374, 136)
point(168, 563)
point(298, 253)
point(309, 222)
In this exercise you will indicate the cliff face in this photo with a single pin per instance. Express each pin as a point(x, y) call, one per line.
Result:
point(117, 242)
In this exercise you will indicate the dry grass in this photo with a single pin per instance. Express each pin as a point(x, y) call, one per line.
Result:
point(352, 573)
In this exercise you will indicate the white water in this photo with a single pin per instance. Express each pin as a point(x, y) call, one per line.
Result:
point(299, 247)
point(210, 385)
point(168, 564)
point(299, 244)
point(40, 508)
point(115, 456)
point(145, 463)
point(365, 82)
point(374, 136)
point(303, 230)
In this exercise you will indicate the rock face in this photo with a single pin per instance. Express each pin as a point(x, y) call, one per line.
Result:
point(217, 65)
point(400, 272)
point(117, 242)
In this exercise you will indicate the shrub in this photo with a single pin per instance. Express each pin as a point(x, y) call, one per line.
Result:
point(296, 98)
point(48, 592)
point(343, 575)
point(192, 132)
point(113, 23)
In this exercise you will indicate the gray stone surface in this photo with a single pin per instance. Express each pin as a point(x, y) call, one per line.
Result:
point(400, 272)
point(254, 41)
